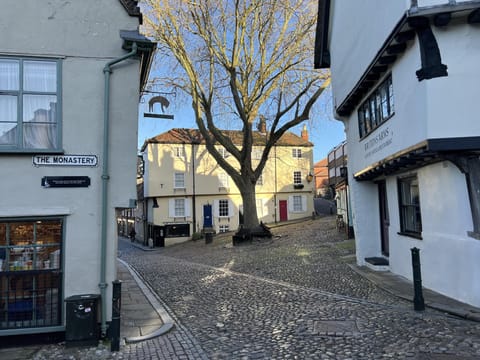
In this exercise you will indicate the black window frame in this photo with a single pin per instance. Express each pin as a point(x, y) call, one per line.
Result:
point(377, 108)
point(410, 215)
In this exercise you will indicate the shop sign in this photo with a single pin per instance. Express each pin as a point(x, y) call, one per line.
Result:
point(65, 181)
point(65, 160)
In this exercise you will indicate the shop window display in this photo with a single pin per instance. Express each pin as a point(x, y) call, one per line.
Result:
point(30, 273)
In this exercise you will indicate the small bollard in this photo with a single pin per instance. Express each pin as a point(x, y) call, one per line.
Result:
point(418, 302)
point(115, 324)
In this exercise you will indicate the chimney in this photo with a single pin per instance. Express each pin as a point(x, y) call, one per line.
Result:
point(262, 125)
point(305, 132)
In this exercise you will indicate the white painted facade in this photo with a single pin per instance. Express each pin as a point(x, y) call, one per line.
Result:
point(441, 108)
point(83, 36)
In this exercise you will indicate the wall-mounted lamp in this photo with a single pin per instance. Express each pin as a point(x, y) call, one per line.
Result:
point(155, 203)
point(309, 177)
point(343, 171)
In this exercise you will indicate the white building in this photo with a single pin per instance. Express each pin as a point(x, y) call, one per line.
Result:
point(70, 77)
point(405, 84)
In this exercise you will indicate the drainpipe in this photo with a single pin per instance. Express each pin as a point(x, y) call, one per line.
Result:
point(107, 70)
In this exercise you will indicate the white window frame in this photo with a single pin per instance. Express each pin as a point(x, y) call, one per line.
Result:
point(179, 180)
point(297, 177)
point(223, 180)
point(223, 228)
point(223, 152)
point(259, 180)
point(223, 204)
point(179, 152)
point(297, 204)
point(14, 90)
point(297, 153)
point(257, 154)
point(175, 208)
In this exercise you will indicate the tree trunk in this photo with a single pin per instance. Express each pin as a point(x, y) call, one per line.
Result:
point(250, 218)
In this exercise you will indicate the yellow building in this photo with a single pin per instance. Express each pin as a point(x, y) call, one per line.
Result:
point(186, 191)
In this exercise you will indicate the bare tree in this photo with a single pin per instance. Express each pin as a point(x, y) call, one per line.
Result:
point(240, 60)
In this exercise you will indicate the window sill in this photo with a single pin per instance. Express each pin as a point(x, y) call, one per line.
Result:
point(6, 151)
point(417, 236)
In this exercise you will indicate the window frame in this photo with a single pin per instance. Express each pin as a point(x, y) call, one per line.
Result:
point(223, 205)
point(370, 114)
point(19, 93)
point(297, 177)
point(223, 228)
point(176, 207)
point(297, 153)
point(410, 215)
point(223, 180)
point(176, 181)
point(179, 152)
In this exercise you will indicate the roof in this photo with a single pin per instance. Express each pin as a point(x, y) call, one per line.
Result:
point(193, 136)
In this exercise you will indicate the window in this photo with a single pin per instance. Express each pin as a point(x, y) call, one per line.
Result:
point(31, 273)
point(223, 180)
point(29, 104)
point(377, 109)
point(297, 153)
point(260, 180)
point(177, 230)
point(179, 152)
point(223, 152)
point(179, 180)
point(224, 228)
point(257, 154)
point(223, 208)
point(178, 207)
point(297, 203)
point(409, 202)
point(297, 177)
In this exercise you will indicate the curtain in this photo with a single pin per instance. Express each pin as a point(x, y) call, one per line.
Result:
point(39, 121)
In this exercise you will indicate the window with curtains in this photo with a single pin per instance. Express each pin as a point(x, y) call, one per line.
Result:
point(29, 104)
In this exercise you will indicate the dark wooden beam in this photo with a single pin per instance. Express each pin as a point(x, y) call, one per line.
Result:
point(474, 17)
point(386, 60)
point(442, 19)
point(405, 36)
point(396, 49)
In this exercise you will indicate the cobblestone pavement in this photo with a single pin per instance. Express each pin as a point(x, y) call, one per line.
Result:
point(290, 297)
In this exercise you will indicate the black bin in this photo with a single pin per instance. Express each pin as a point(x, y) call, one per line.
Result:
point(81, 327)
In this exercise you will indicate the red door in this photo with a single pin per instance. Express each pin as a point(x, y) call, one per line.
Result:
point(283, 210)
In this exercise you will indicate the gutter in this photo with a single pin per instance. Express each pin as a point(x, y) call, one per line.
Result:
point(107, 71)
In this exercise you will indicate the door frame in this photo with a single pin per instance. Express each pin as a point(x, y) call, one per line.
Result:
point(384, 217)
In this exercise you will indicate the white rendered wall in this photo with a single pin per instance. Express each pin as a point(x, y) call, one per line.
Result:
point(86, 36)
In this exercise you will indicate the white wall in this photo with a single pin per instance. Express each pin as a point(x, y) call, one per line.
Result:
point(351, 55)
point(86, 35)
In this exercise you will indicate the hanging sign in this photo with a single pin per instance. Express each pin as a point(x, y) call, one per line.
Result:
point(65, 181)
point(65, 160)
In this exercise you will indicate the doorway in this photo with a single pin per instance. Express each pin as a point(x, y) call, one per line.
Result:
point(207, 216)
point(283, 210)
point(384, 217)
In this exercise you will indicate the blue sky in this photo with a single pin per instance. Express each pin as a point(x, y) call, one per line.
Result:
point(324, 131)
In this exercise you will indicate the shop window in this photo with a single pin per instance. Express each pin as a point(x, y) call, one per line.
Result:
point(177, 230)
point(29, 96)
point(409, 203)
point(31, 273)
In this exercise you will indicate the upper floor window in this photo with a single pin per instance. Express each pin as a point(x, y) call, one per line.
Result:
point(223, 180)
point(378, 108)
point(223, 152)
point(29, 104)
point(179, 180)
point(297, 177)
point(257, 154)
point(296, 153)
point(409, 203)
point(260, 180)
point(179, 152)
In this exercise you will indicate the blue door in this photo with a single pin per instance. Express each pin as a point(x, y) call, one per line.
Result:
point(207, 216)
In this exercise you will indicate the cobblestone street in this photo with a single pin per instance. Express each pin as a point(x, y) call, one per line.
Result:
point(294, 296)
point(290, 297)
